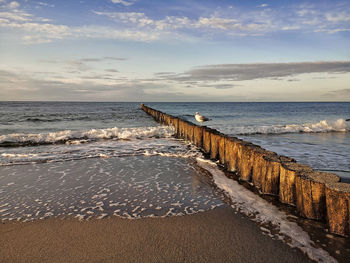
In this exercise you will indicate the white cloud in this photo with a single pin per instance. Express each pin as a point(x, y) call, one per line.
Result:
point(125, 17)
point(104, 32)
point(323, 19)
point(35, 40)
point(228, 24)
point(16, 16)
point(39, 30)
point(170, 23)
point(333, 31)
point(290, 28)
point(122, 2)
point(338, 17)
point(138, 26)
point(13, 5)
point(45, 4)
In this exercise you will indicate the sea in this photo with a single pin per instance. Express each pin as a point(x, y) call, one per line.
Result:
point(91, 160)
point(314, 133)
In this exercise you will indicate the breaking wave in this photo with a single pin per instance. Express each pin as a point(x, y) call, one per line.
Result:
point(339, 125)
point(78, 137)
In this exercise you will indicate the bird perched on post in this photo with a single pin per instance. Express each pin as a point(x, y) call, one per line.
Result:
point(201, 118)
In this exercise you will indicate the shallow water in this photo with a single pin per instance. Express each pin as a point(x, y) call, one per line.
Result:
point(128, 187)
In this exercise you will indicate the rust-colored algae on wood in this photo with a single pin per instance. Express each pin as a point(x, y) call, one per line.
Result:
point(189, 130)
point(222, 148)
point(259, 167)
point(338, 208)
point(175, 123)
point(198, 136)
point(311, 194)
point(182, 129)
point(246, 157)
point(231, 157)
point(288, 174)
point(270, 182)
point(206, 139)
point(215, 138)
point(316, 195)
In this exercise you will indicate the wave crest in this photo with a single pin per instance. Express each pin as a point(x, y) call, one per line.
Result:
point(77, 137)
point(339, 125)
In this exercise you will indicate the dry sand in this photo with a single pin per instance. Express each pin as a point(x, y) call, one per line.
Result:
point(219, 235)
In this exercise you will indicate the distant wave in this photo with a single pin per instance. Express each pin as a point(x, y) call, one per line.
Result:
point(52, 119)
point(323, 126)
point(77, 137)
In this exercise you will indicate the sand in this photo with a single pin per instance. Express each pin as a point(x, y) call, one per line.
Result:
point(218, 235)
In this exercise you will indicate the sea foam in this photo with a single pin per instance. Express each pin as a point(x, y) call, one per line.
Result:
point(263, 212)
point(339, 125)
point(75, 137)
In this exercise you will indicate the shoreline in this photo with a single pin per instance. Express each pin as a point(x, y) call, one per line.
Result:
point(219, 235)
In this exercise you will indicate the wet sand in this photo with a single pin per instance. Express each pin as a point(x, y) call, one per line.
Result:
point(218, 235)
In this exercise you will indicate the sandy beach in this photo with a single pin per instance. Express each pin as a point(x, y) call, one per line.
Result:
point(218, 235)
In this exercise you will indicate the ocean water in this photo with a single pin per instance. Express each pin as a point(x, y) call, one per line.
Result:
point(314, 133)
point(96, 160)
point(100, 159)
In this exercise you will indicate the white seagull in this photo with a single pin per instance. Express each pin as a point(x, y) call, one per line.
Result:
point(201, 118)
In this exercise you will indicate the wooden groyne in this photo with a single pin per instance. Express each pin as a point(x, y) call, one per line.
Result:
point(316, 195)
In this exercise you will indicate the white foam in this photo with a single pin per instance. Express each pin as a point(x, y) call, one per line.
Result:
point(339, 125)
point(262, 211)
point(12, 155)
point(76, 137)
point(190, 153)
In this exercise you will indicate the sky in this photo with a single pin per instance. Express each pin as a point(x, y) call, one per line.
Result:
point(175, 50)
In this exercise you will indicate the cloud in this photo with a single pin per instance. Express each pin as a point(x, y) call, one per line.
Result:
point(301, 18)
point(229, 24)
point(77, 66)
point(290, 28)
point(13, 5)
point(102, 59)
point(338, 17)
point(263, 5)
point(333, 31)
point(145, 27)
point(35, 29)
point(219, 86)
point(241, 72)
point(322, 18)
point(112, 70)
point(105, 32)
point(44, 4)
point(122, 2)
point(24, 86)
point(343, 94)
point(173, 23)
point(39, 30)
point(17, 16)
